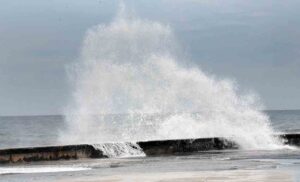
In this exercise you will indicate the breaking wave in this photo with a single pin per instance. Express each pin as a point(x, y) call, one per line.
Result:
point(130, 84)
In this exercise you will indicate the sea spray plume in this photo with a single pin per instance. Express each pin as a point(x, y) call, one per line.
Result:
point(129, 86)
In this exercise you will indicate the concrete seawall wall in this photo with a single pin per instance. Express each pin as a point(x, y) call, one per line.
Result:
point(167, 147)
point(150, 148)
point(49, 153)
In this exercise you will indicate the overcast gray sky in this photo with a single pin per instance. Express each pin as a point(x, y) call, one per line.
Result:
point(256, 43)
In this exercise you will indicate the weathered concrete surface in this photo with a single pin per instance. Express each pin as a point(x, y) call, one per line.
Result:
point(167, 147)
point(49, 153)
point(163, 147)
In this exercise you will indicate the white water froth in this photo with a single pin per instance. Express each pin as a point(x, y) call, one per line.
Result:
point(42, 169)
point(132, 66)
point(119, 150)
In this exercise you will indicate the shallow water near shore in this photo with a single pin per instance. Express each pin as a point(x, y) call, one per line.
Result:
point(228, 165)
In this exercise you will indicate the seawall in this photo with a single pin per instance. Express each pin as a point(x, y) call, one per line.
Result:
point(167, 147)
point(150, 148)
point(49, 153)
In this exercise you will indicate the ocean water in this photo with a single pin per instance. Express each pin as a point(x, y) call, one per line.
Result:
point(135, 66)
point(24, 131)
point(226, 165)
point(132, 65)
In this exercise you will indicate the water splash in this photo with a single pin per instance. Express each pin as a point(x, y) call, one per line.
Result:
point(118, 150)
point(132, 66)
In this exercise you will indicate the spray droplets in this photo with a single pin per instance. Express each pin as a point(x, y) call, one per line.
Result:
point(129, 86)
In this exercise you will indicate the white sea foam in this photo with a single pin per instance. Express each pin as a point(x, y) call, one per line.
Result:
point(133, 66)
point(41, 169)
point(119, 150)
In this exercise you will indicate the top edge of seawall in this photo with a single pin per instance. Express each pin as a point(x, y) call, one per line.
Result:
point(67, 146)
point(82, 145)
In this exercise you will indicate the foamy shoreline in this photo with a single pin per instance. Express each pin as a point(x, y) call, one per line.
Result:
point(199, 176)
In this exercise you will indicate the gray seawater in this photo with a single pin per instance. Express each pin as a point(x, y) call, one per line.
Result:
point(231, 165)
point(23, 131)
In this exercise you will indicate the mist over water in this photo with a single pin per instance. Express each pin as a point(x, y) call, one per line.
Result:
point(130, 85)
